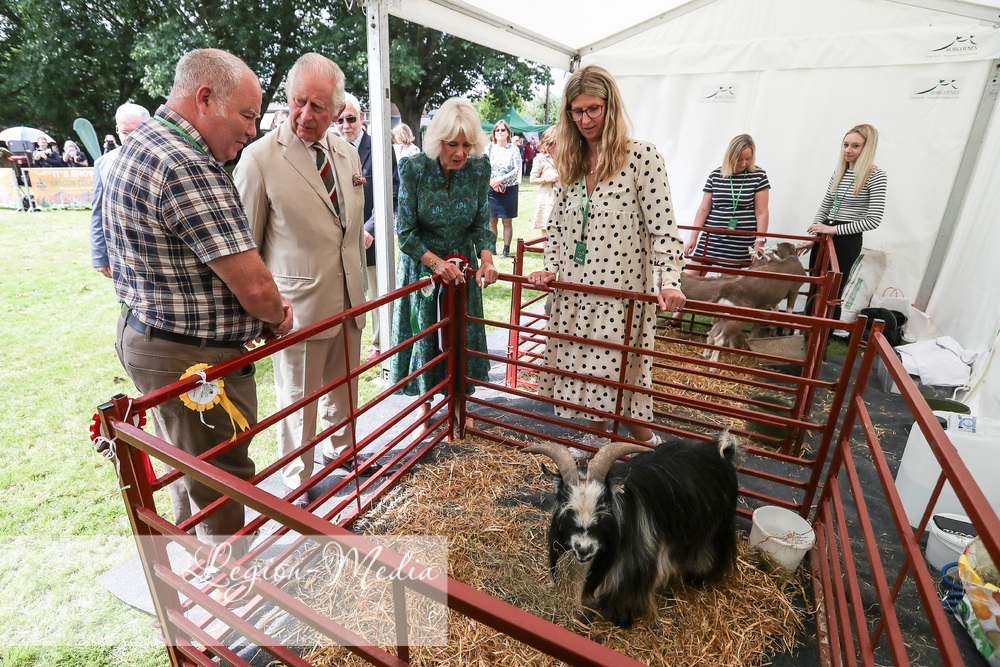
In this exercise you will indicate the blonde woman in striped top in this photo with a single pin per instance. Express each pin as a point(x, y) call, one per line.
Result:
point(854, 202)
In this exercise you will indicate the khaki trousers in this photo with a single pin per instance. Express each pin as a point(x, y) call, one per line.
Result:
point(153, 363)
point(300, 370)
point(371, 294)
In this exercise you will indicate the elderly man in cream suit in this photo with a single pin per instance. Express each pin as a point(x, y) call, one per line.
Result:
point(309, 230)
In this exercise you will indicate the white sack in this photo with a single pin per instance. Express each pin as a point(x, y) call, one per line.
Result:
point(941, 362)
point(861, 283)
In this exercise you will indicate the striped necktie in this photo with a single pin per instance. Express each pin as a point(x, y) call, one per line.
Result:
point(326, 173)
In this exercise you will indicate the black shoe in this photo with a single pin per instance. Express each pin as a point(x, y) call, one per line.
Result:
point(506, 252)
point(348, 466)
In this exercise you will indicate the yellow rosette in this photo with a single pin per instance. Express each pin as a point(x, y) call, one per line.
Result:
point(209, 394)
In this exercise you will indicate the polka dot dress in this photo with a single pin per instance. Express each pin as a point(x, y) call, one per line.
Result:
point(632, 244)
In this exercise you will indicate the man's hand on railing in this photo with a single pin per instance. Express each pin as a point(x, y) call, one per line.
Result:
point(276, 331)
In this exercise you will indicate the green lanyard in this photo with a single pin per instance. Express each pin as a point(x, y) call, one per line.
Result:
point(733, 221)
point(732, 190)
point(186, 135)
point(836, 204)
point(580, 256)
point(585, 210)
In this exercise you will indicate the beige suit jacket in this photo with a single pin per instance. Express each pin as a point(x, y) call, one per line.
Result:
point(296, 229)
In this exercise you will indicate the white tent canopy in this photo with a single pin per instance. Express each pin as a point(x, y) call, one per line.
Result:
point(796, 74)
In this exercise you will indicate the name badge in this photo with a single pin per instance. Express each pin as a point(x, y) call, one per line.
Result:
point(732, 223)
point(580, 256)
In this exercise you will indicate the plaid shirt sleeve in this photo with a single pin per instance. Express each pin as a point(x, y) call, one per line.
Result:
point(202, 207)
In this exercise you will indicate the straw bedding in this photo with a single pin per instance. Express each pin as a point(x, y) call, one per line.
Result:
point(491, 502)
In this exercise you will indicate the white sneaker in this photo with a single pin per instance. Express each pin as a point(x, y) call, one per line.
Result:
point(590, 440)
point(654, 441)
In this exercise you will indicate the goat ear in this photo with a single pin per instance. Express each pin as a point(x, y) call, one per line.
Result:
point(555, 478)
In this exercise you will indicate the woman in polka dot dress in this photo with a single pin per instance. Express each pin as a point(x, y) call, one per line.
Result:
point(612, 226)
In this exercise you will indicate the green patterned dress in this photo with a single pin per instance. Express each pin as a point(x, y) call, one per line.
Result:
point(446, 216)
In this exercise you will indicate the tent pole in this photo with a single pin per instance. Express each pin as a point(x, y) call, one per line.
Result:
point(377, 22)
point(960, 189)
point(548, 101)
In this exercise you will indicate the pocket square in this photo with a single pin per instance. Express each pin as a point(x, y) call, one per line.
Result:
point(358, 179)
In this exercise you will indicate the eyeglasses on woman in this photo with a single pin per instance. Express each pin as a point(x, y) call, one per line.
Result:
point(593, 111)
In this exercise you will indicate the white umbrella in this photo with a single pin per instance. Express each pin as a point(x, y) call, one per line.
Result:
point(24, 134)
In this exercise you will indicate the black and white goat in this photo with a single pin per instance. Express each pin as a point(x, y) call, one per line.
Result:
point(665, 513)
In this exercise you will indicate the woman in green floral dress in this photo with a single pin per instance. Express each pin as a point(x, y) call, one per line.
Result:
point(443, 211)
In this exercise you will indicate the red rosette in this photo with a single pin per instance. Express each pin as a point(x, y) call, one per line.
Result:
point(138, 420)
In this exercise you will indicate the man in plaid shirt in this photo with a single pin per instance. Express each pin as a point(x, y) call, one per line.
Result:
point(186, 269)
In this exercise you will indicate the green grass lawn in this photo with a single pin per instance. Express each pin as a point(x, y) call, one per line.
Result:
point(60, 508)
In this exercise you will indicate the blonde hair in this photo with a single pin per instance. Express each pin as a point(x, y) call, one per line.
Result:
point(864, 165)
point(402, 134)
point(572, 156)
point(739, 144)
point(455, 115)
point(548, 139)
point(493, 135)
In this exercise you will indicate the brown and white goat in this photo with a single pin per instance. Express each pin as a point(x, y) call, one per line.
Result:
point(702, 288)
point(749, 291)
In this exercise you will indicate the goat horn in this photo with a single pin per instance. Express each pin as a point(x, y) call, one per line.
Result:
point(563, 459)
point(608, 454)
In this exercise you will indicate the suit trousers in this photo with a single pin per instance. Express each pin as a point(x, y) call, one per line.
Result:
point(300, 370)
point(370, 294)
point(153, 363)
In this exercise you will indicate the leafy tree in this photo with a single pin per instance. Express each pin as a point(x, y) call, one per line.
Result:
point(428, 67)
point(67, 59)
point(269, 35)
point(490, 110)
point(536, 108)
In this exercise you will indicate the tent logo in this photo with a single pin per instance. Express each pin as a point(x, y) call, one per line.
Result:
point(928, 88)
point(961, 45)
point(718, 94)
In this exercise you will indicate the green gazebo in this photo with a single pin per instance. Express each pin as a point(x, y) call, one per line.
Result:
point(517, 124)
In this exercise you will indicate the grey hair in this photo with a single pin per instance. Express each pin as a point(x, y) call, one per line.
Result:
point(315, 63)
point(351, 100)
point(130, 110)
point(455, 115)
point(215, 68)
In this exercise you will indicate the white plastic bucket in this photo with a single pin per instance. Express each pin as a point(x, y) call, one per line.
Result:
point(782, 534)
point(944, 547)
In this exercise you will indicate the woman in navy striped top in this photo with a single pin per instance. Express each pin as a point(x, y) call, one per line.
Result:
point(735, 198)
point(854, 202)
